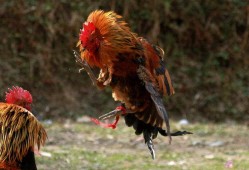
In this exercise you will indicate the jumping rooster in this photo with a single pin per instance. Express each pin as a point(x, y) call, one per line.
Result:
point(133, 68)
point(20, 131)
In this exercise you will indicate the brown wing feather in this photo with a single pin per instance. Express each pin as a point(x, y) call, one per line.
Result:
point(19, 132)
point(151, 87)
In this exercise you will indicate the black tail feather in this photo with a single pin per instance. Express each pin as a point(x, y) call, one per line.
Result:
point(149, 132)
point(178, 133)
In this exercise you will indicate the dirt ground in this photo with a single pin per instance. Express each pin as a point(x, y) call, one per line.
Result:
point(83, 145)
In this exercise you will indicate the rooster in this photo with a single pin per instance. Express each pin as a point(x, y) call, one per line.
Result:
point(133, 68)
point(20, 131)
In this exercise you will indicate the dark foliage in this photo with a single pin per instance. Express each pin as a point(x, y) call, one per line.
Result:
point(206, 45)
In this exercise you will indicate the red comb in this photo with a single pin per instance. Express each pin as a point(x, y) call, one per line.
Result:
point(88, 28)
point(17, 94)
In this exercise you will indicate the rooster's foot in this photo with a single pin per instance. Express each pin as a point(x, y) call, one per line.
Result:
point(115, 113)
point(86, 67)
point(108, 81)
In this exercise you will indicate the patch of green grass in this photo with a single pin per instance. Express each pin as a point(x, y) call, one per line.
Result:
point(78, 146)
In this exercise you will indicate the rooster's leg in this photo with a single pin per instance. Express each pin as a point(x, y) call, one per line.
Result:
point(86, 67)
point(120, 110)
point(117, 112)
point(148, 140)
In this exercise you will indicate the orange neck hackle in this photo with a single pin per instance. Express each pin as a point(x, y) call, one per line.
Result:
point(103, 36)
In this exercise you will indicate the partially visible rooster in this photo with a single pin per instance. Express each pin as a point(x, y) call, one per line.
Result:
point(133, 68)
point(20, 131)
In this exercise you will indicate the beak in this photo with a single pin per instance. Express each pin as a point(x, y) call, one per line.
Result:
point(79, 44)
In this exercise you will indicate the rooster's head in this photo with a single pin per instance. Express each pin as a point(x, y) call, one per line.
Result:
point(19, 96)
point(90, 37)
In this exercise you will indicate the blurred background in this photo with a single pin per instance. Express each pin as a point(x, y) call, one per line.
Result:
point(206, 45)
point(207, 54)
